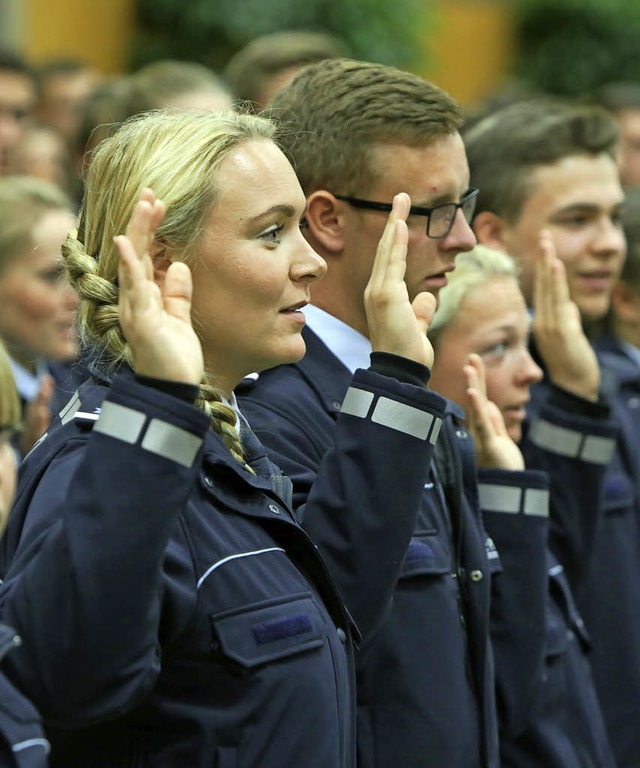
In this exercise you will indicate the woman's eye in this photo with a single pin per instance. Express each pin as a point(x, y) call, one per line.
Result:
point(272, 235)
point(494, 351)
point(52, 276)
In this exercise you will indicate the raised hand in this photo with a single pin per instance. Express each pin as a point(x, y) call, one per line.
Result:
point(156, 320)
point(494, 447)
point(566, 351)
point(396, 324)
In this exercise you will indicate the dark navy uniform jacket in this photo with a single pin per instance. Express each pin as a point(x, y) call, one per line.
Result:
point(611, 599)
point(177, 613)
point(22, 742)
point(426, 690)
point(563, 725)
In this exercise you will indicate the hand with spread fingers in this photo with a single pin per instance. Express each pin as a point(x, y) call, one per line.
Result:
point(560, 338)
point(155, 319)
point(396, 324)
point(494, 447)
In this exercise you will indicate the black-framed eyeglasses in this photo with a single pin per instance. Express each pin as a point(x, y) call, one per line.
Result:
point(440, 218)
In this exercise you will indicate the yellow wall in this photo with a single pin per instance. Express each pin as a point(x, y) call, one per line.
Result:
point(96, 31)
point(471, 45)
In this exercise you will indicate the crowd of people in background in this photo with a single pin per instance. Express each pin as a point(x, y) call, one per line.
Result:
point(319, 418)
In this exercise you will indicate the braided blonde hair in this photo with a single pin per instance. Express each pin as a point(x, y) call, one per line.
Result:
point(176, 154)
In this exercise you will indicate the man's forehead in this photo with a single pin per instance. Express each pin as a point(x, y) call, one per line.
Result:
point(14, 86)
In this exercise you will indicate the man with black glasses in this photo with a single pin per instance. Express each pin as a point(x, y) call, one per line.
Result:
point(358, 134)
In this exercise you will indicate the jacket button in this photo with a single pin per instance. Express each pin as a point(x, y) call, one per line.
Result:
point(462, 434)
point(274, 509)
point(476, 576)
point(342, 635)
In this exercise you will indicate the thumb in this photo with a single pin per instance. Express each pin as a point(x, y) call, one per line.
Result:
point(177, 290)
point(424, 307)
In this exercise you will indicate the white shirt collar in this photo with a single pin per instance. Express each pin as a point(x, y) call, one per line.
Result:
point(27, 383)
point(348, 345)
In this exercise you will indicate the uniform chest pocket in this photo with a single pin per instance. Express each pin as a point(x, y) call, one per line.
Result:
point(426, 555)
point(619, 495)
point(268, 631)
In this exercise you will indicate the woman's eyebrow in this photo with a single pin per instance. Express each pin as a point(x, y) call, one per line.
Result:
point(287, 210)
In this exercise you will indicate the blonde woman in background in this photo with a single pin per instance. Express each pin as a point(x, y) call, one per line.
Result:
point(22, 742)
point(37, 303)
point(480, 335)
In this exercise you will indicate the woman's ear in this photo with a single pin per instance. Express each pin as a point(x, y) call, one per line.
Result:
point(161, 261)
point(490, 230)
point(324, 221)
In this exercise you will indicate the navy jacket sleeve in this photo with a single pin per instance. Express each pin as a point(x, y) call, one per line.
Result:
point(573, 441)
point(86, 580)
point(358, 475)
point(515, 507)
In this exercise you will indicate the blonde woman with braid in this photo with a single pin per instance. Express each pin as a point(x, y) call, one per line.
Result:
point(177, 613)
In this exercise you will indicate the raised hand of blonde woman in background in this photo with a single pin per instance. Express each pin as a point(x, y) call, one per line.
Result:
point(557, 327)
point(494, 447)
point(396, 324)
point(156, 319)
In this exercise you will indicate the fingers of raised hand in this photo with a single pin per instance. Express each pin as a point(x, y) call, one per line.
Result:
point(392, 246)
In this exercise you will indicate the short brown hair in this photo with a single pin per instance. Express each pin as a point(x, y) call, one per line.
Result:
point(505, 148)
point(249, 70)
point(336, 110)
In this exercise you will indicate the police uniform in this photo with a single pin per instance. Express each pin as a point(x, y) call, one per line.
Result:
point(572, 441)
point(22, 742)
point(425, 678)
point(611, 600)
point(176, 612)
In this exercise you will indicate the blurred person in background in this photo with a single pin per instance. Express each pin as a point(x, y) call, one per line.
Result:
point(270, 61)
point(622, 100)
point(18, 96)
point(42, 153)
point(170, 84)
point(22, 742)
point(37, 304)
point(180, 85)
point(480, 334)
point(552, 166)
point(63, 87)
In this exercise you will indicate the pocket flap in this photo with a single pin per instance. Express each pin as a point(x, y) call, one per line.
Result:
point(259, 634)
point(426, 554)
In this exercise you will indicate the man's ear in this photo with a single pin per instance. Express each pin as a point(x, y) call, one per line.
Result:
point(161, 261)
point(626, 304)
point(490, 230)
point(324, 221)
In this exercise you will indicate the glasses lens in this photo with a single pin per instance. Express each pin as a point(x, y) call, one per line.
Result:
point(440, 219)
point(469, 206)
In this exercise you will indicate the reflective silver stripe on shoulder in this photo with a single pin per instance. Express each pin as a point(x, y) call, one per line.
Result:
point(390, 413)
point(499, 498)
point(224, 560)
point(503, 498)
point(536, 502)
point(171, 442)
point(357, 402)
point(28, 743)
point(568, 442)
point(556, 439)
point(597, 450)
point(402, 417)
point(68, 412)
point(120, 422)
point(433, 437)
